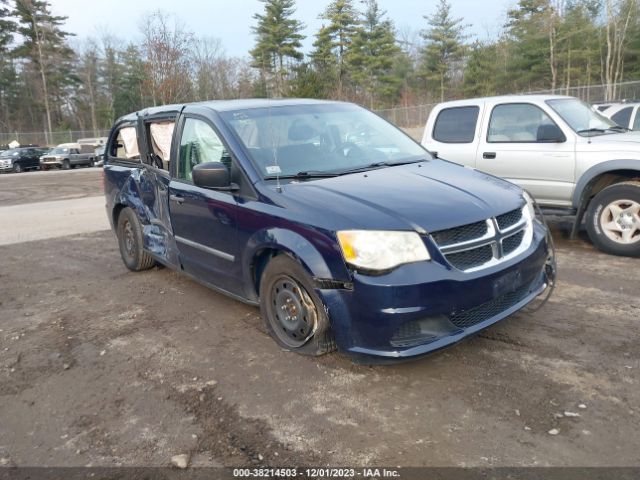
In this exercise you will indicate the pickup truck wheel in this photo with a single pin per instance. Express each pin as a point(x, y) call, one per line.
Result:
point(130, 241)
point(293, 313)
point(92, 163)
point(613, 219)
point(65, 165)
point(17, 168)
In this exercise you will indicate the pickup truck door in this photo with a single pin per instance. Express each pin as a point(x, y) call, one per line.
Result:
point(451, 134)
point(204, 221)
point(523, 144)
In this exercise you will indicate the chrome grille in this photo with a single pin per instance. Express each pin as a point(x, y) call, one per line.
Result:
point(509, 219)
point(467, 259)
point(460, 234)
point(509, 244)
point(481, 244)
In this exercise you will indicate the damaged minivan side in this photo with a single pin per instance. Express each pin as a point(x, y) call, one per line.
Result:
point(344, 231)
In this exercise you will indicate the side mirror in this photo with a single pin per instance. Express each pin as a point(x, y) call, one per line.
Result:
point(550, 133)
point(213, 175)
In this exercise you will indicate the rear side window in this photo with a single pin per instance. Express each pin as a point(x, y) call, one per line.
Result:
point(622, 117)
point(125, 145)
point(456, 125)
point(636, 122)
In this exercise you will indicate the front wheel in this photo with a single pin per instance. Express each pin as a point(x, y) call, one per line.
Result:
point(17, 168)
point(292, 311)
point(613, 219)
point(65, 165)
point(130, 241)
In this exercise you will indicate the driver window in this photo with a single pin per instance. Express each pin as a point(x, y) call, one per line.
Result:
point(199, 144)
point(517, 123)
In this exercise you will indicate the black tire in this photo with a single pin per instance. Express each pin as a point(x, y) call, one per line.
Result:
point(17, 168)
point(92, 163)
point(310, 321)
point(129, 232)
point(65, 165)
point(619, 194)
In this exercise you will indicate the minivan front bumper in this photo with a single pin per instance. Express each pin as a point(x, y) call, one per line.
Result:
point(423, 307)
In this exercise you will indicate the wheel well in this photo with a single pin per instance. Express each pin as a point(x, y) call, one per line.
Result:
point(260, 260)
point(116, 213)
point(607, 179)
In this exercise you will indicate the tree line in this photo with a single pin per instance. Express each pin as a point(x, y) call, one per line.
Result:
point(51, 80)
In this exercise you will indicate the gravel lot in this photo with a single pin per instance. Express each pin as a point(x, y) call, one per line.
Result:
point(103, 367)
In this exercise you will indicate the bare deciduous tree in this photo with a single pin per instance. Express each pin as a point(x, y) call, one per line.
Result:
point(167, 47)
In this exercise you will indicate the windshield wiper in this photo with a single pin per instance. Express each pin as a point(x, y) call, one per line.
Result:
point(303, 175)
point(371, 166)
point(591, 130)
point(618, 128)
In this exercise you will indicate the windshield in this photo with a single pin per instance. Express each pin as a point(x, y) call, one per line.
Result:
point(320, 139)
point(59, 151)
point(9, 153)
point(582, 118)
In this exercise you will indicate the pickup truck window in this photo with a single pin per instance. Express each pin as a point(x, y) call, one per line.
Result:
point(583, 119)
point(199, 144)
point(456, 125)
point(516, 123)
point(623, 117)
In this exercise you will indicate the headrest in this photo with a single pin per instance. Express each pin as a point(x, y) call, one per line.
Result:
point(300, 131)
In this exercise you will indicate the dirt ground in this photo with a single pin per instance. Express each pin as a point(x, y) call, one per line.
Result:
point(100, 366)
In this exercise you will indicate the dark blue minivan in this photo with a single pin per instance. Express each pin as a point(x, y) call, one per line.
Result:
point(344, 230)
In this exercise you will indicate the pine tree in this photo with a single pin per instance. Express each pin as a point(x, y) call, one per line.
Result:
point(45, 45)
point(278, 38)
point(444, 50)
point(334, 40)
point(7, 70)
point(527, 29)
point(371, 56)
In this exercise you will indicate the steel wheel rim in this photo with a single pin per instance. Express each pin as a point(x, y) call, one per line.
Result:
point(129, 239)
point(620, 221)
point(294, 316)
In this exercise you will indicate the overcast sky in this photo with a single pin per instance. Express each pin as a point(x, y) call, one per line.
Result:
point(231, 20)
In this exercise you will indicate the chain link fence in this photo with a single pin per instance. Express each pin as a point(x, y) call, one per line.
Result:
point(413, 117)
point(416, 116)
point(44, 139)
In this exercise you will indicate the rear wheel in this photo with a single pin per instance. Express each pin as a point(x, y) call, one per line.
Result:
point(613, 219)
point(130, 241)
point(293, 313)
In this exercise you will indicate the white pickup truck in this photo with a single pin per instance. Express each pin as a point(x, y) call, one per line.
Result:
point(571, 158)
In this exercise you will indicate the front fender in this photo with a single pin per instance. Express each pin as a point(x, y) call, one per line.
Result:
point(320, 257)
point(593, 172)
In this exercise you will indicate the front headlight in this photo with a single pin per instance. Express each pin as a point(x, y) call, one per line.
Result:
point(531, 209)
point(381, 250)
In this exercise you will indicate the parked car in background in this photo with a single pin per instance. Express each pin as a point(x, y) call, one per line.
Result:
point(571, 158)
point(625, 114)
point(99, 155)
point(343, 229)
point(68, 155)
point(21, 159)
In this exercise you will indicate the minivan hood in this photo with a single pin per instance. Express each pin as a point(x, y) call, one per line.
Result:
point(428, 196)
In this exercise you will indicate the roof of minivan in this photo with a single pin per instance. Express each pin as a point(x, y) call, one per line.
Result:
point(227, 105)
point(506, 98)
